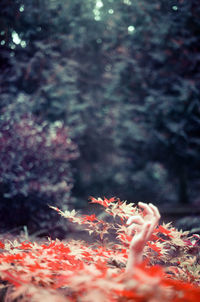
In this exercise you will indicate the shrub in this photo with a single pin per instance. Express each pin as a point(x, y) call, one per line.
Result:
point(35, 164)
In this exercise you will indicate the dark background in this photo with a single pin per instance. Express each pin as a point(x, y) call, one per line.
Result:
point(97, 98)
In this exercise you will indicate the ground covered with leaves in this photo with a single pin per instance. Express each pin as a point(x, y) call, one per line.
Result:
point(80, 271)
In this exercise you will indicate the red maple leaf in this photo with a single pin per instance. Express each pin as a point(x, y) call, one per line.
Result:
point(164, 231)
point(25, 245)
point(2, 245)
point(154, 247)
point(105, 203)
point(89, 218)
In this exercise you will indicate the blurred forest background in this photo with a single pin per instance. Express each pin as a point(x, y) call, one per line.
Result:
point(101, 98)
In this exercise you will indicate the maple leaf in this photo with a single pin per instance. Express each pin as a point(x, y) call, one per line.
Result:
point(68, 214)
point(2, 245)
point(114, 210)
point(124, 238)
point(127, 209)
point(164, 231)
point(154, 247)
point(105, 203)
point(25, 245)
point(89, 218)
point(120, 258)
point(112, 199)
point(122, 229)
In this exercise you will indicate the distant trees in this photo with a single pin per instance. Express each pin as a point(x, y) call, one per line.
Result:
point(158, 86)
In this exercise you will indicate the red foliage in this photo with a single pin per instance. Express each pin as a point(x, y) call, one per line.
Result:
point(76, 271)
point(164, 231)
point(155, 248)
point(1, 245)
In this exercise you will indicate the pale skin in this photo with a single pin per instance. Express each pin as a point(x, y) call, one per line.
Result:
point(144, 227)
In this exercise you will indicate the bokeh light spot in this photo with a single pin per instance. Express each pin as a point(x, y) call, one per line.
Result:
point(111, 11)
point(99, 4)
point(23, 44)
point(131, 29)
point(127, 2)
point(21, 9)
point(174, 7)
point(15, 37)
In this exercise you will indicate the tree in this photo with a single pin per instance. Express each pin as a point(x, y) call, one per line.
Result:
point(156, 81)
point(123, 75)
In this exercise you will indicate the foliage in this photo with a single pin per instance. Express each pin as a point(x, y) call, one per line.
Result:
point(123, 75)
point(35, 162)
point(77, 271)
point(155, 80)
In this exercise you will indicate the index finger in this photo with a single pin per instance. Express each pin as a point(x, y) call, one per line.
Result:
point(147, 209)
point(155, 211)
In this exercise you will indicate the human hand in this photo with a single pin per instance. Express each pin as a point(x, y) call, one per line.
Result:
point(143, 228)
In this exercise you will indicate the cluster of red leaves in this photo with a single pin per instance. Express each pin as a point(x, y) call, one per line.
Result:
point(76, 271)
